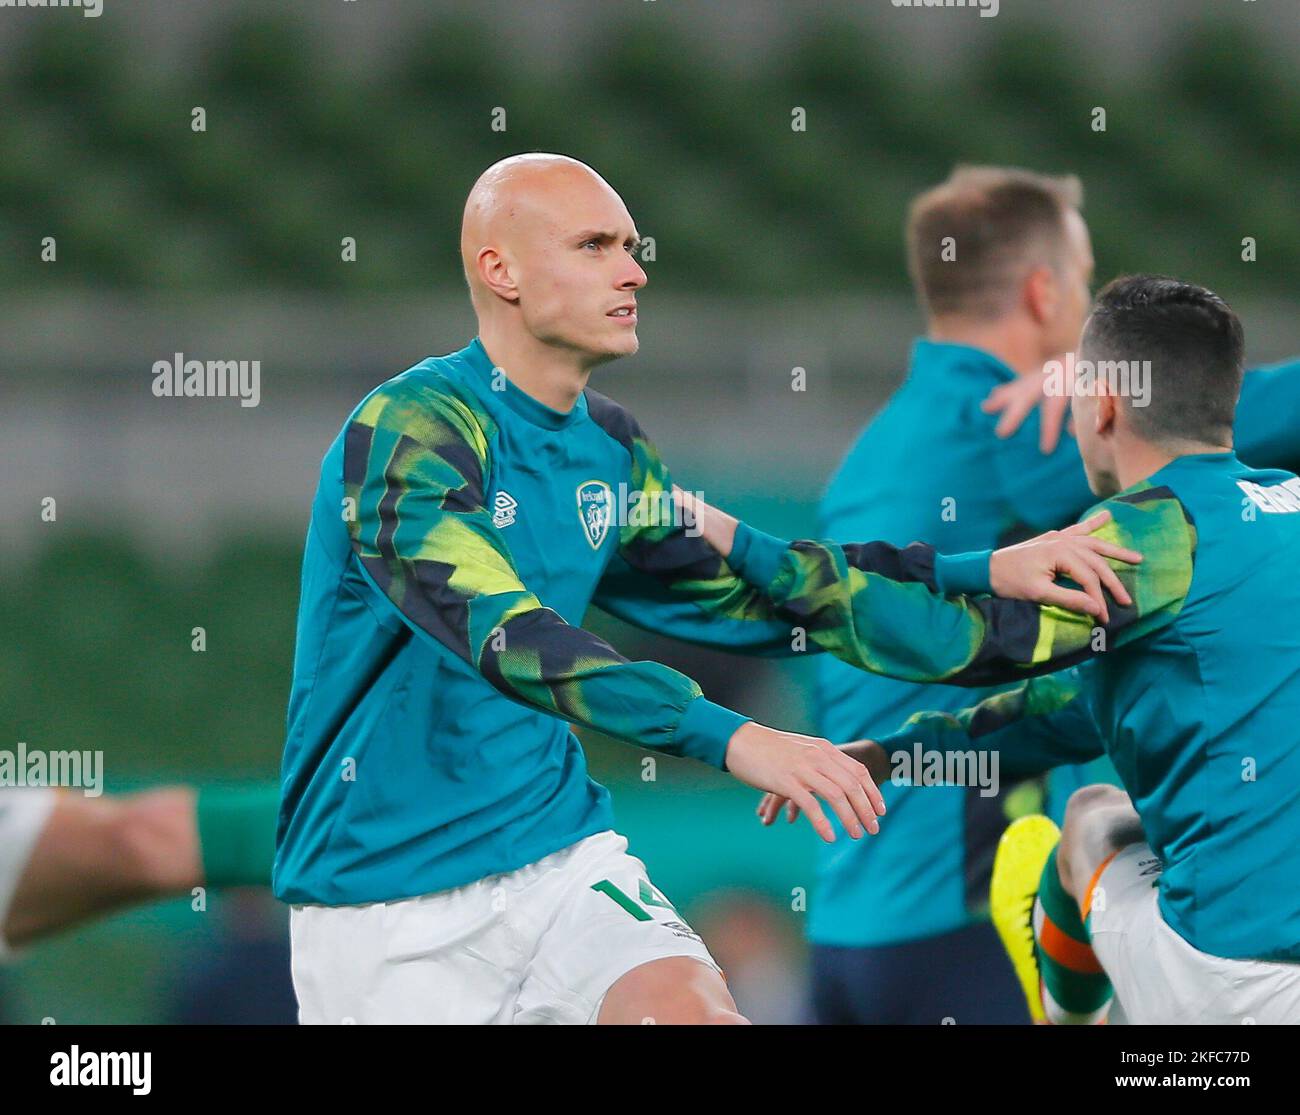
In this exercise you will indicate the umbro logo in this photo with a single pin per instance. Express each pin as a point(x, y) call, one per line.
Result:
point(504, 507)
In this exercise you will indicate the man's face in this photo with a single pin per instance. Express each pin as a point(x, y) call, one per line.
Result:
point(1075, 278)
point(1096, 447)
point(576, 271)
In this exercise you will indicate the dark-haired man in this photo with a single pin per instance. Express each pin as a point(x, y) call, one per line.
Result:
point(1193, 691)
point(1001, 262)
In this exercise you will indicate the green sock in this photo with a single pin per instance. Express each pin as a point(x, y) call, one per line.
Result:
point(237, 833)
point(1076, 990)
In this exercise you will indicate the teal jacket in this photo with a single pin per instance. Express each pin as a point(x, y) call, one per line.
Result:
point(1193, 690)
point(459, 533)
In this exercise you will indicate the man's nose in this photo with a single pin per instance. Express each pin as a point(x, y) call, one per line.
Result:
point(634, 278)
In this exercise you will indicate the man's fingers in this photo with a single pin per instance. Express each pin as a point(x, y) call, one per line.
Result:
point(1077, 566)
point(1088, 525)
point(1092, 553)
point(1014, 402)
point(1093, 523)
point(1072, 600)
point(862, 804)
point(1014, 405)
point(1051, 420)
point(816, 818)
point(865, 807)
point(1111, 550)
point(826, 787)
point(872, 791)
point(1095, 551)
point(996, 399)
point(1013, 417)
point(1108, 577)
point(848, 775)
point(770, 807)
point(858, 771)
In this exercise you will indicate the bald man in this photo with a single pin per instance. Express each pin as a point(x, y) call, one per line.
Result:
point(445, 854)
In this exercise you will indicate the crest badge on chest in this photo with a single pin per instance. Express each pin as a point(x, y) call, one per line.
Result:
point(595, 508)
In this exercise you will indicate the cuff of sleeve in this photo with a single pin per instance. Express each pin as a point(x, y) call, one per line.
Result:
point(705, 730)
point(962, 573)
point(903, 739)
point(756, 557)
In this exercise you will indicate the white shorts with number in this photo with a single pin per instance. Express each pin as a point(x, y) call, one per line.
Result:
point(539, 945)
point(24, 810)
point(1158, 977)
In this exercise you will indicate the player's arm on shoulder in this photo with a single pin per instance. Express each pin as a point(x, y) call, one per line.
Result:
point(1267, 434)
point(1047, 392)
point(888, 610)
point(415, 465)
point(1148, 542)
point(874, 605)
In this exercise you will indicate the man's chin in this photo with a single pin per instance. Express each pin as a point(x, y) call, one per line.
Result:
point(615, 348)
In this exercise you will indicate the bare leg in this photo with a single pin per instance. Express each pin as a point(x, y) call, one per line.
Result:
point(98, 854)
point(678, 990)
point(1099, 821)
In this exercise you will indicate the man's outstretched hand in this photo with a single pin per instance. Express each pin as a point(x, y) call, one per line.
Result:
point(1029, 571)
point(801, 769)
point(867, 752)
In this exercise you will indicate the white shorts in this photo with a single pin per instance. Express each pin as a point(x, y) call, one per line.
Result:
point(539, 945)
point(1158, 977)
point(24, 810)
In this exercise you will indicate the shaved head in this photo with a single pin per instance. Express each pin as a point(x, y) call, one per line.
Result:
point(518, 196)
point(548, 251)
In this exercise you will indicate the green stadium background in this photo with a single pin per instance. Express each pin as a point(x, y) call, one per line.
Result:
point(774, 249)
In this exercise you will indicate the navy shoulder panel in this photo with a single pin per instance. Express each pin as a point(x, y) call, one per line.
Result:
point(1153, 495)
point(613, 418)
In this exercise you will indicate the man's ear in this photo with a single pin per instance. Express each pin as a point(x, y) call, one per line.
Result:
point(1042, 294)
point(1107, 405)
point(495, 271)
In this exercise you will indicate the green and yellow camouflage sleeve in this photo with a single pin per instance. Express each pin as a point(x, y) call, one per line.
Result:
point(1042, 723)
point(667, 579)
point(415, 462)
point(910, 632)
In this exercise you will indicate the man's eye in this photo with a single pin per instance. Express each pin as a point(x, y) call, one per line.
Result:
point(592, 244)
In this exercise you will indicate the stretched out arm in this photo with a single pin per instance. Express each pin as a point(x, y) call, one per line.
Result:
point(1044, 722)
point(911, 633)
point(668, 579)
